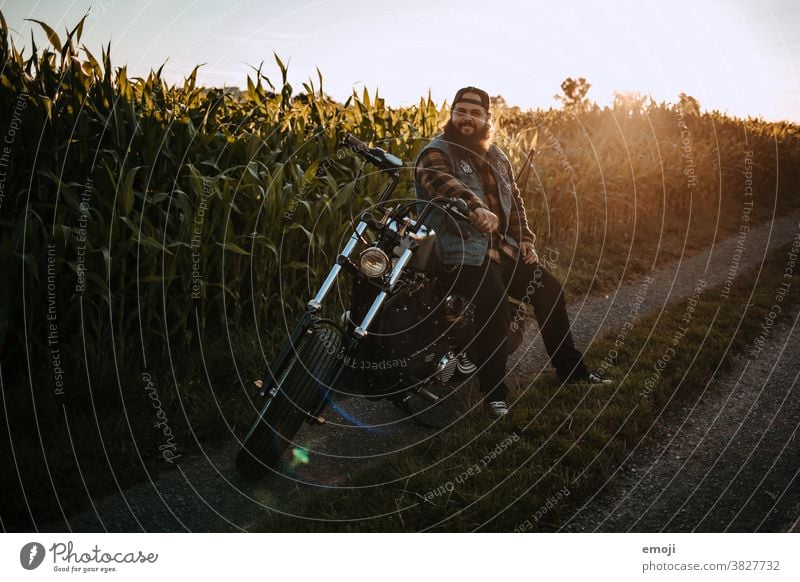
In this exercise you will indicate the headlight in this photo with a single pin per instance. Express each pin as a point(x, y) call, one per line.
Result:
point(374, 262)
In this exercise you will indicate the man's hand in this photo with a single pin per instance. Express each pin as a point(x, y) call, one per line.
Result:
point(529, 255)
point(484, 220)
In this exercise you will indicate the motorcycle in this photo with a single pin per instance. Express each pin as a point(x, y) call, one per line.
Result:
point(404, 331)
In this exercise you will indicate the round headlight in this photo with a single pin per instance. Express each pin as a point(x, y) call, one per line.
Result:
point(374, 262)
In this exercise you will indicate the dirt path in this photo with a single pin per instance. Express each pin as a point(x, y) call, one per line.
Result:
point(205, 494)
point(728, 461)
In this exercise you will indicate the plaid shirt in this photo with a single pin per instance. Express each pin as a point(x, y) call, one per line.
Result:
point(435, 174)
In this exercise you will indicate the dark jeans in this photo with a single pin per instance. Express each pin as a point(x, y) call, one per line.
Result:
point(488, 286)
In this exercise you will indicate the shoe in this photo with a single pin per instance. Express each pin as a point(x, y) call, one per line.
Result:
point(464, 364)
point(594, 379)
point(497, 407)
point(590, 378)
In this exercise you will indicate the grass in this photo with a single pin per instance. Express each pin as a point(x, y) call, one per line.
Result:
point(567, 442)
point(151, 159)
point(108, 433)
point(588, 267)
point(102, 437)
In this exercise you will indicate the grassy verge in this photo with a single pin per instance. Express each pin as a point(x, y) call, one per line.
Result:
point(534, 468)
point(118, 424)
point(587, 267)
point(103, 437)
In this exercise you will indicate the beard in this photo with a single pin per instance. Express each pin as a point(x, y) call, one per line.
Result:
point(477, 143)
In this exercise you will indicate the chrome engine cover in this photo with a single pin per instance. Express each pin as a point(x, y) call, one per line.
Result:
point(446, 368)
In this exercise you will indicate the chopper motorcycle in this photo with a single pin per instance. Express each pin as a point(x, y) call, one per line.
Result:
point(404, 331)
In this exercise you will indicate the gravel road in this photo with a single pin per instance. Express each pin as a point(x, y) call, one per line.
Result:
point(203, 492)
point(728, 461)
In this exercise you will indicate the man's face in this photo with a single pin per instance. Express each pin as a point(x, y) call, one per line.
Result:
point(468, 117)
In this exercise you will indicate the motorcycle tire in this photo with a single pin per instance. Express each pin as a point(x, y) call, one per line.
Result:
point(301, 389)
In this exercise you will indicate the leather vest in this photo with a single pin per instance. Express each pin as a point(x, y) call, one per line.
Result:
point(460, 243)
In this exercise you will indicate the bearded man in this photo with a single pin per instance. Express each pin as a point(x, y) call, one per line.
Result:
point(494, 256)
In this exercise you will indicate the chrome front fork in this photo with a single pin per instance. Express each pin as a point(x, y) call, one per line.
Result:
point(361, 330)
point(315, 304)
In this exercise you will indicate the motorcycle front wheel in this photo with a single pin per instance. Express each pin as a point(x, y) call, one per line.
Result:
point(301, 389)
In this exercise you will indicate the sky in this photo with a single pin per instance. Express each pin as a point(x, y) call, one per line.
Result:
point(741, 57)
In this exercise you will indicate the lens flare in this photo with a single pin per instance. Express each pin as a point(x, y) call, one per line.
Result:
point(300, 456)
point(352, 420)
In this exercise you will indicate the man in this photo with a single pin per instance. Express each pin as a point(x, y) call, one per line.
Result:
point(494, 255)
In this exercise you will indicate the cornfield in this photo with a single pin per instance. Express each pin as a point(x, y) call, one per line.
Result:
point(147, 214)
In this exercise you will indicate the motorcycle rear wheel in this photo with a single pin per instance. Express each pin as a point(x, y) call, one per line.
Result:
point(301, 389)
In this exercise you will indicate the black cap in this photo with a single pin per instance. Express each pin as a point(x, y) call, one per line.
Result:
point(484, 97)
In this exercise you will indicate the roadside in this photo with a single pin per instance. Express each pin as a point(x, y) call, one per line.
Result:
point(594, 316)
point(204, 494)
point(727, 460)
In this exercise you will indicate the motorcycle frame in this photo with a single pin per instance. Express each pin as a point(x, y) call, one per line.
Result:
point(314, 306)
point(414, 229)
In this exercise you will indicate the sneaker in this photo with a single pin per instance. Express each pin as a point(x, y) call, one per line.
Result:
point(497, 407)
point(464, 364)
point(595, 379)
point(590, 378)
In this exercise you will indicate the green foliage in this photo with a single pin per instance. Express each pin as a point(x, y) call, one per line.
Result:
point(158, 215)
point(177, 203)
point(173, 207)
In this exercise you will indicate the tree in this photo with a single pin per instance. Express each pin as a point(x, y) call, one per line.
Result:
point(574, 97)
point(688, 105)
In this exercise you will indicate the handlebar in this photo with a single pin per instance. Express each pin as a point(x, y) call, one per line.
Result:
point(455, 207)
point(458, 209)
point(384, 161)
point(354, 142)
point(378, 157)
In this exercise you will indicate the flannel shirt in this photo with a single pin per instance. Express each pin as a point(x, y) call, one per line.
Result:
point(435, 175)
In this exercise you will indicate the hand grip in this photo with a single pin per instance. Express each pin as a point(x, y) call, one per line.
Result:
point(354, 142)
point(375, 156)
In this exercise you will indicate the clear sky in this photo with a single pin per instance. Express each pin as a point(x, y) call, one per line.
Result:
point(739, 56)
